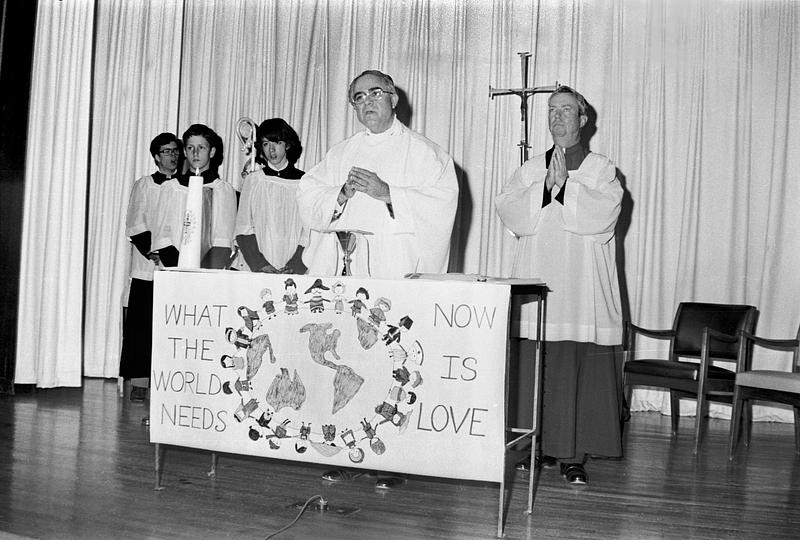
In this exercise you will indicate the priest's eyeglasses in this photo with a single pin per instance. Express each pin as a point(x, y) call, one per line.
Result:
point(170, 151)
point(373, 94)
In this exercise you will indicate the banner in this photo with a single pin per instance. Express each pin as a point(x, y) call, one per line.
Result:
point(403, 376)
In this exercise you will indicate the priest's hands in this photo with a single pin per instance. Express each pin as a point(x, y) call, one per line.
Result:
point(367, 182)
point(557, 171)
point(346, 193)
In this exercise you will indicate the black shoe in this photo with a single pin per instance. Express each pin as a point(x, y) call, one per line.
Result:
point(389, 482)
point(574, 474)
point(341, 475)
point(138, 393)
point(545, 462)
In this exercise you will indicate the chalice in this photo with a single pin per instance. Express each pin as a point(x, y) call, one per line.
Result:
point(347, 241)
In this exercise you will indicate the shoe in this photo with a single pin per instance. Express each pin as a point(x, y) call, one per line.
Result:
point(574, 474)
point(341, 475)
point(146, 421)
point(389, 482)
point(138, 393)
point(545, 462)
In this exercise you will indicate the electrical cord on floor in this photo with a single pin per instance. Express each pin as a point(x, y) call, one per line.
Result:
point(323, 504)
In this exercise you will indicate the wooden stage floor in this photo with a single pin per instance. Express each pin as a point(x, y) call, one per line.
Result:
point(76, 463)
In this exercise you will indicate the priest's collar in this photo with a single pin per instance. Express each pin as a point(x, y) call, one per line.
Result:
point(574, 150)
point(391, 130)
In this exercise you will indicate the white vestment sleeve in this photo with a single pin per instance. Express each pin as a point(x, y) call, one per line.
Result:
point(519, 204)
point(318, 191)
point(244, 215)
point(135, 219)
point(428, 210)
point(169, 215)
point(223, 214)
point(593, 199)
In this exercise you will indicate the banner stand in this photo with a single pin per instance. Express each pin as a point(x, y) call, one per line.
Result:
point(537, 292)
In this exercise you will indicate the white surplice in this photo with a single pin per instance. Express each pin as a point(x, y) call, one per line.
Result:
point(570, 246)
point(219, 215)
point(268, 209)
point(141, 217)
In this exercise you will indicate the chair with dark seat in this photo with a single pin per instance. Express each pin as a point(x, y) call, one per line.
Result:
point(708, 332)
point(764, 384)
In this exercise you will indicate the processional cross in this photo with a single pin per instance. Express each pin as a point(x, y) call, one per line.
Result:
point(524, 93)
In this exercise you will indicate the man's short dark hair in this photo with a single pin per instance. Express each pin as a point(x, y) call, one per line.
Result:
point(214, 141)
point(163, 139)
point(387, 80)
point(274, 130)
point(564, 89)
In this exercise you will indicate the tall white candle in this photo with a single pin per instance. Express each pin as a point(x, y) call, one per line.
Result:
point(191, 239)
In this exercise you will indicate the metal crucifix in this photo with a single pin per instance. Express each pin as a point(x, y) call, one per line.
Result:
point(523, 93)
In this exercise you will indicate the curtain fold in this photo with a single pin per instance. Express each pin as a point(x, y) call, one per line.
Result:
point(691, 100)
point(248, 59)
point(137, 67)
point(49, 330)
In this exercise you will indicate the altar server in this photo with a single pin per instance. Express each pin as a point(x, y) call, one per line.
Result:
point(269, 231)
point(140, 220)
point(219, 204)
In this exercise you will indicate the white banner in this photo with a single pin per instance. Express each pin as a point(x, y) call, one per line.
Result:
point(403, 376)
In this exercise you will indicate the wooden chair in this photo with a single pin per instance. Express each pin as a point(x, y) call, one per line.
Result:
point(764, 384)
point(707, 332)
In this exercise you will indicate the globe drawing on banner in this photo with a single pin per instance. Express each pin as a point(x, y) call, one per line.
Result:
point(343, 377)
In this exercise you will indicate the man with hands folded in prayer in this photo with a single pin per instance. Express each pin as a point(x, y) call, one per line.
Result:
point(563, 207)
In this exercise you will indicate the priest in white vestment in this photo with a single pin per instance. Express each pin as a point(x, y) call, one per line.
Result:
point(389, 183)
point(563, 207)
point(392, 185)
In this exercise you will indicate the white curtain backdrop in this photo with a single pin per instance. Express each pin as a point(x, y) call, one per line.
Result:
point(136, 85)
point(693, 102)
point(250, 59)
point(49, 327)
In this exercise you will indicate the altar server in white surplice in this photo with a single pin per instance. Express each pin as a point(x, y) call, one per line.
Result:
point(269, 231)
point(386, 180)
point(219, 204)
point(563, 206)
point(140, 220)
